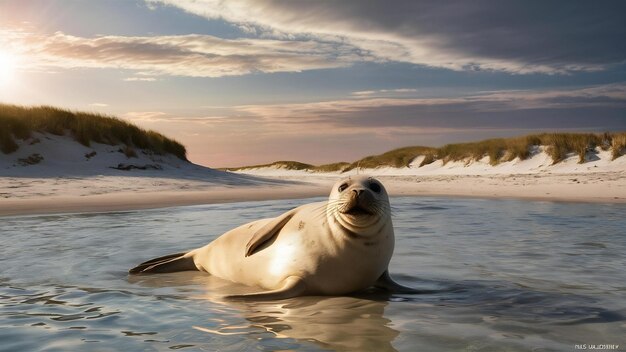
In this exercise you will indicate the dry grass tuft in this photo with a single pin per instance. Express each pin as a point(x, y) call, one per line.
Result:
point(561, 144)
point(618, 145)
point(129, 152)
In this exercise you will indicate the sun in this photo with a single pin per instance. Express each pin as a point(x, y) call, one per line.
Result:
point(8, 68)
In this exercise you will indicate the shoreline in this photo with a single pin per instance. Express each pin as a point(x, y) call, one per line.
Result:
point(584, 188)
point(128, 201)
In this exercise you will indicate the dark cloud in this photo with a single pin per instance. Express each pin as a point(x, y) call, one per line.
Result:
point(514, 35)
point(548, 32)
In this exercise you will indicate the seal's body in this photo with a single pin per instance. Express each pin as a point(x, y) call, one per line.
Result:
point(326, 248)
point(330, 262)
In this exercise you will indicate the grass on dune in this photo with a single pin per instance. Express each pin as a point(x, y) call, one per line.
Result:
point(18, 122)
point(295, 165)
point(283, 164)
point(557, 145)
point(340, 166)
point(618, 145)
point(394, 158)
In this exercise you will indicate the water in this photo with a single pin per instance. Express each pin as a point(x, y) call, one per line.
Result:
point(512, 276)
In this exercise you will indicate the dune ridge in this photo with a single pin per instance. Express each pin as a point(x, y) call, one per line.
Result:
point(558, 146)
point(19, 123)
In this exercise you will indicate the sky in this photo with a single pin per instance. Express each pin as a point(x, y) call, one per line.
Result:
point(244, 82)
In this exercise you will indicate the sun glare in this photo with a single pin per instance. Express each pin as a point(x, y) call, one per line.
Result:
point(8, 68)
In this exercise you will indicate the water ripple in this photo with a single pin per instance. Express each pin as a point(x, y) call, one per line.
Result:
point(502, 275)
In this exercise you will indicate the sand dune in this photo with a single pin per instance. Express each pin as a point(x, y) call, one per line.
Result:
point(539, 163)
point(598, 179)
point(55, 174)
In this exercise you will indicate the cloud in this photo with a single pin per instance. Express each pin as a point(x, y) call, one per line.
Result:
point(99, 105)
point(140, 79)
point(164, 117)
point(145, 116)
point(514, 36)
point(180, 55)
point(592, 107)
point(369, 93)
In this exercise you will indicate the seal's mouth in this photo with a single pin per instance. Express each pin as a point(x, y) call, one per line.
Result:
point(358, 210)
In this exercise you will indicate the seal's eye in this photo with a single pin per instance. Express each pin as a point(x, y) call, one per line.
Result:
point(375, 187)
point(342, 187)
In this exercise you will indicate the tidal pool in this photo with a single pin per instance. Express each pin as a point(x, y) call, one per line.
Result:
point(511, 275)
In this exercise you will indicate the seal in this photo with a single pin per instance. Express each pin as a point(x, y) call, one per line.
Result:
point(334, 247)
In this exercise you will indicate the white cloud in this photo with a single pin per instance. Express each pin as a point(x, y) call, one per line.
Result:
point(180, 55)
point(142, 116)
point(140, 79)
point(362, 93)
point(398, 91)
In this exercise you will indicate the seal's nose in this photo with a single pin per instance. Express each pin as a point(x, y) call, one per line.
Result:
point(357, 192)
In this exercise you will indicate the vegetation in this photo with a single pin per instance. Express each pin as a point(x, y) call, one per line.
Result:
point(557, 145)
point(129, 152)
point(295, 165)
point(340, 166)
point(18, 122)
point(618, 145)
point(288, 165)
point(395, 158)
point(30, 160)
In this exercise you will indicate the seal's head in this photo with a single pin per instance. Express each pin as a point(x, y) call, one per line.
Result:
point(360, 204)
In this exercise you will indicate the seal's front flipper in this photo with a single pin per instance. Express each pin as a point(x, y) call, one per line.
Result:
point(167, 264)
point(293, 286)
point(268, 231)
point(386, 282)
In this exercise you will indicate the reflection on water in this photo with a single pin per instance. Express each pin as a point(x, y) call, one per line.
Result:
point(508, 275)
point(338, 323)
point(335, 323)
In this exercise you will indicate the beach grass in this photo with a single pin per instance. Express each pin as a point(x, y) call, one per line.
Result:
point(340, 166)
point(618, 145)
point(557, 145)
point(282, 164)
point(18, 122)
point(295, 165)
point(395, 158)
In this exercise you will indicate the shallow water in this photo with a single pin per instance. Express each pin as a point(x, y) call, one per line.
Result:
point(511, 275)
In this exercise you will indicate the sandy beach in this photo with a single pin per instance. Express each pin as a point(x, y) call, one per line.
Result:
point(111, 193)
point(157, 198)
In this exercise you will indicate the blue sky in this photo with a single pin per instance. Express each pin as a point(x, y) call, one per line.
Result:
point(254, 81)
